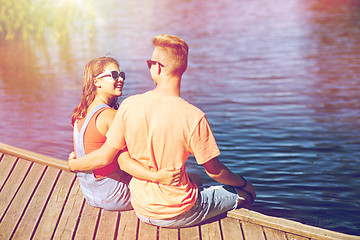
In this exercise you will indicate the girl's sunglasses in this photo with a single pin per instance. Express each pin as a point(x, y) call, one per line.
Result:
point(114, 74)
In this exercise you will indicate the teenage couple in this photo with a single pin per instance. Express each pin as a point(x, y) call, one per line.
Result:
point(150, 137)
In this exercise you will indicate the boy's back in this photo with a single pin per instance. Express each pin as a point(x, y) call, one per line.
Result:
point(161, 132)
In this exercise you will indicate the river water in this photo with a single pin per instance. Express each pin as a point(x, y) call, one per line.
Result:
point(278, 80)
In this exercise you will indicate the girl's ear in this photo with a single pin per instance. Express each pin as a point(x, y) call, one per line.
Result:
point(97, 83)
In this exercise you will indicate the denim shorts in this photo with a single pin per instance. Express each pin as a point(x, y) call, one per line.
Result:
point(111, 192)
point(211, 201)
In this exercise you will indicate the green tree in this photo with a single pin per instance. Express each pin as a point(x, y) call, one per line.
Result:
point(38, 19)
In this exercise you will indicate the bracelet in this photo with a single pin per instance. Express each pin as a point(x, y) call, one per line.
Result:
point(245, 183)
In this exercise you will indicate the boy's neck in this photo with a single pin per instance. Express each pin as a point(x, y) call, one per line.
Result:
point(167, 92)
point(168, 87)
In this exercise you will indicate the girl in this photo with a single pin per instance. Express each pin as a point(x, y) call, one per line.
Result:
point(106, 187)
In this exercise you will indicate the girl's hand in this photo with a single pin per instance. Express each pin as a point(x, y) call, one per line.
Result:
point(167, 176)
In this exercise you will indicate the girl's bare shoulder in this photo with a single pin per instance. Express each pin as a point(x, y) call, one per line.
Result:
point(105, 119)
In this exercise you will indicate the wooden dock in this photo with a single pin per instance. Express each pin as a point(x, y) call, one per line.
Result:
point(41, 199)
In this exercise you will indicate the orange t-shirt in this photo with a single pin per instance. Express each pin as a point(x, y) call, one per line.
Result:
point(161, 132)
point(93, 140)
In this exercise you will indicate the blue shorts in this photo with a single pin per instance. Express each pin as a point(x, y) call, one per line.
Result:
point(111, 192)
point(211, 201)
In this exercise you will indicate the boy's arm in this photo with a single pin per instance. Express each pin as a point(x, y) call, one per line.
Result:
point(219, 172)
point(106, 154)
point(94, 160)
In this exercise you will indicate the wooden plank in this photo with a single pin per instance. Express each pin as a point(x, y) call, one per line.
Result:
point(34, 157)
point(273, 234)
point(252, 231)
point(168, 234)
point(6, 165)
point(211, 231)
point(37, 205)
point(295, 237)
point(107, 225)
point(20, 202)
point(67, 223)
point(12, 185)
point(29, 215)
point(128, 225)
point(231, 229)
point(88, 222)
point(190, 233)
point(49, 219)
point(147, 232)
point(286, 225)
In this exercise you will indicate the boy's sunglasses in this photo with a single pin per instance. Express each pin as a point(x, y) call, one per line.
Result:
point(151, 62)
point(114, 74)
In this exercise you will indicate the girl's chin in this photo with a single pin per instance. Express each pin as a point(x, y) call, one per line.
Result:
point(118, 93)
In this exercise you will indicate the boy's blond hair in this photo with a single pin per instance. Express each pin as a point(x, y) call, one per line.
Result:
point(177, 47)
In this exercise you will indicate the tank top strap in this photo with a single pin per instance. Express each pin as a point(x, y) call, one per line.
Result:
point(79, 136)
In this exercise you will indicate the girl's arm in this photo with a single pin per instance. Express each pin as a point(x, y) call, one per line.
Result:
point(134, 168)
point(106, 154)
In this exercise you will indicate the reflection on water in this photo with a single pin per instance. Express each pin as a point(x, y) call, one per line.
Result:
point(278, 81)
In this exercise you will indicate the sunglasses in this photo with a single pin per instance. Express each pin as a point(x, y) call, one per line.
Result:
point(114, 74)
point(151, 62)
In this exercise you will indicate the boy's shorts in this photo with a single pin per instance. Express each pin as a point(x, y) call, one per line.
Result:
point(211, 201)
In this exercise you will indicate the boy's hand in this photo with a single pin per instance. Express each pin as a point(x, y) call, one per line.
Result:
point(72, 156)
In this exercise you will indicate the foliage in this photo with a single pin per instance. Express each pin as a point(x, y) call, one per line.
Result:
point(37, 19)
